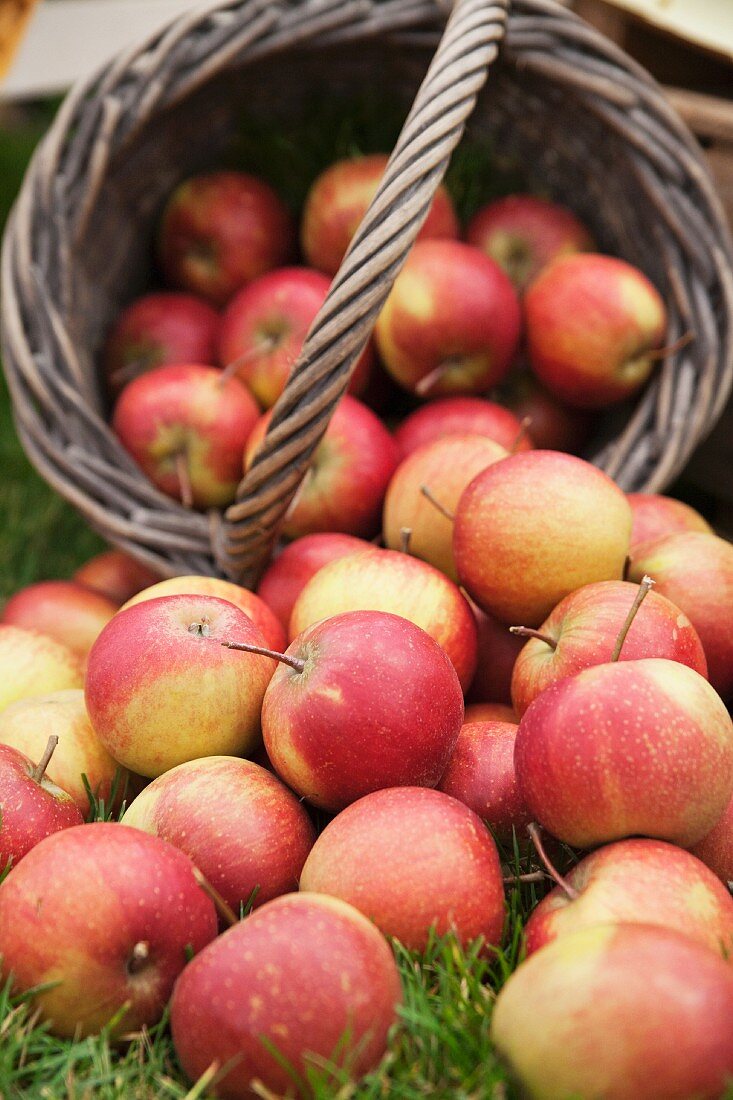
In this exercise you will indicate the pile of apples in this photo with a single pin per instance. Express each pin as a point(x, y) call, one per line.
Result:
point(344, 755)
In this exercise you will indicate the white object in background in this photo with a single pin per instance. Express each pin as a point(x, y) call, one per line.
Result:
point(706, 23)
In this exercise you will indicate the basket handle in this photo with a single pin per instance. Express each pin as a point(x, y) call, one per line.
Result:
point(242, 539)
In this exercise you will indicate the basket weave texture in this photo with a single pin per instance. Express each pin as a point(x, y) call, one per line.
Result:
point(592, 125)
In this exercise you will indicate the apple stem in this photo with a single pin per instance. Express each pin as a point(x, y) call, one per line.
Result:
point(677, 345)
point(523, 426)
point(405, 536)
point(294, 662)
point(529, 632)
point(231, 370)
point(534, 835)
point(139, 957)
point(644, 588)
point(426, 384)
point(184, 479)
point(531, 876)
point(436, 503)
point(627, 568)
point(40, 770)
point(222, 907)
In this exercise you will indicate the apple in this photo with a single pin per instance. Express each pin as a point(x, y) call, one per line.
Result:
point(656, 1011)
point(162, 689)
point(716, 847)
point(344, 485)
point(461, 416)
point(637, 881)
point(31, 663)
point(265, 324)
point(412, 860)
point(451, 323)
point(305, 980)
point(157, 330)
point(481, 774)
point(534, 527)
point(186, 427)
point(31, 806)
point(67, 611)
point(553, 426)
point(221, 230)
point(523, 234)
point(285, 577)
point(117, 575)
point(366, 700)
point(655, 516)
point(592, 323)
point(497, 653)
point(584, 628)
point(695, 571)
point(100, 918)
point(387, 580)
point(632, 748)
point(27, 725)
point(490, 712)
point(443, 469)
point(338, 201)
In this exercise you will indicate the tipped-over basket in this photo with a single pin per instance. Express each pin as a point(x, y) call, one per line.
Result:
point(592, 126)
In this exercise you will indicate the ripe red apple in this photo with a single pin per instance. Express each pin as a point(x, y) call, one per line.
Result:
point(444, 468)
point(245, 831)
point(695, 571)
point(31, 663)
point(591, 323)
point(220, 231)
point(338, 200)
point(451, 323)
point(618, 1011)
point(461, 416)
point(265, 324)
point(186, 427)
point(31, 806)
point(583, 631)
point(497, 653)
point(101, 918)
point(716, 847)
point(67, 611)
point(27, 726)
point(412, 859)
point(157, 330)
point(287, 575)
point(386, 580)
point(632, 748)
point(656, 516)
point(368, 700)
point(344, 486)
point(490, 712)
point(162, 689)
point(303, 981)
point(523, 234)
point(553, 426)
point(117, 575)
point(534, 527)
point(481, 774)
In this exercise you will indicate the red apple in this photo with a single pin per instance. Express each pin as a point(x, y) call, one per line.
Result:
point(656, 516)
point(303, 981)
point(31, 663)
point(591, 324)
point(553, 426)
point(637, 881)
point(716, 847)
point(695, 571)
point(386, 580)
point(116, 575)
point(461, 416)
point(490, 712)
point(338, 200)
point(157, 330)
point(101, 917)
point(186, 427)
point(162, 689)
point(285, 577)
point(245, 831)
point(370, 701)
point(67, 611)
point(220, 231)
point(534, 527)
point(481, 774)
point(31, 806)
point(619, 1011)
point(632, 748)
point(523, 233)
point(451, 323)
point(349, 471)
point(497, 653)
point(412, 860)
point(583, 631)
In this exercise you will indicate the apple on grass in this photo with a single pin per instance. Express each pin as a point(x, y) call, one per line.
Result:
point(461, 416)
point(655, 516)
point(102, 919)
point(304, 983)
point(31, 806)
point(31, 663)
point(117, 575)
point(67, 611)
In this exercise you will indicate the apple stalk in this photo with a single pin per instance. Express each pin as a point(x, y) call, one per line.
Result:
point(536, 838)
point(40, 770)
point(644, 587)
point(245, 647)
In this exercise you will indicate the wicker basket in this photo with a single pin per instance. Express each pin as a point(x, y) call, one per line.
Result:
point(594, 127)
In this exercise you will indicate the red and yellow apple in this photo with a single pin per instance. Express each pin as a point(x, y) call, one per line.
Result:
point(67, 611)
point(31, 663)
point(461, 416)
point(655, 516)
point(31, 806)
point(285, 577)
point(117, 575)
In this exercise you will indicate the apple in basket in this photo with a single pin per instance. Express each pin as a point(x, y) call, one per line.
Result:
point(461, 416)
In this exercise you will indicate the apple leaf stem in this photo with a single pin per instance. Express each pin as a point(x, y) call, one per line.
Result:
point(431, 379)
point(531, 876)
point(40, 769)
point(405, 536)
point(222, 907)
point(676, 345)
point(184, 479)
point(246, 647)
point(436, 503)
point(139, 957)
point(524, 425)
point(644, 588)
point(530, 632)
point(535, 837)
